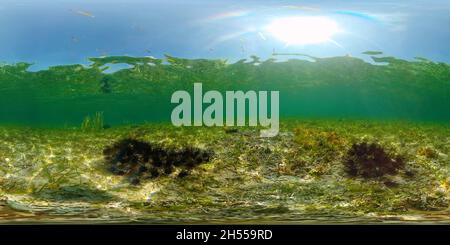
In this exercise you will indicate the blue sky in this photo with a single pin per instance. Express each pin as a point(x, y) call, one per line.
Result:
point(51, 32)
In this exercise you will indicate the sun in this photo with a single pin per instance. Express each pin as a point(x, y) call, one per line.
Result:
point(303, 30)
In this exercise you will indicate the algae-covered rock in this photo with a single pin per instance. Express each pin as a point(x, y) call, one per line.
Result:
point(427, 152)
point(370, 160)
point(139, 159)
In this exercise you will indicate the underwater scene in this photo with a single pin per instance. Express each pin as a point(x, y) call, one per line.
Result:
point(119, 112)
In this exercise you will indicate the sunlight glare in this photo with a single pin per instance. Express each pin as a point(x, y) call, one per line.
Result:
point(303, 30)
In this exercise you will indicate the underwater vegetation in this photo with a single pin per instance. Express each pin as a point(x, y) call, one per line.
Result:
point(350, 163)
point(95, 122)
point(297, 176)
point(105, 84)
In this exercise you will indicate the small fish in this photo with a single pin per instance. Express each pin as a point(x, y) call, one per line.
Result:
point(242, 40)
point(84, 13)
point(137, 28)
point(102, 52)
point(261, 35)
point(306, 8)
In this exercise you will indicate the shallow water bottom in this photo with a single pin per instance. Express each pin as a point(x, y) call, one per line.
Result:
point(297, 177)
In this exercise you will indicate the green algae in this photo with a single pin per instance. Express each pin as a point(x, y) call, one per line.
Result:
point(95, 122)
point(294, 177)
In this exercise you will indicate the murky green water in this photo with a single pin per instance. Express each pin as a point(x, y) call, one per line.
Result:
point(339, 87)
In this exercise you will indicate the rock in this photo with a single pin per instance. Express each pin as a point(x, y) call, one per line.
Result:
point(183, 174)
point(231, 130)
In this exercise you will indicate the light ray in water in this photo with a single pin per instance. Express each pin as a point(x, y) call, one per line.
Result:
point(335, 43)
point(227, 15)
point(228, 37)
